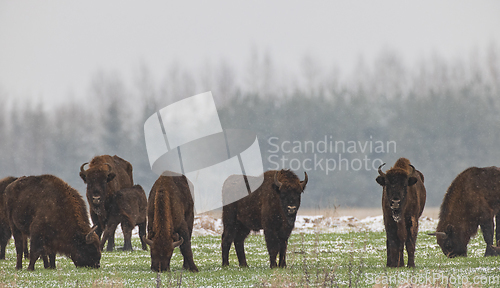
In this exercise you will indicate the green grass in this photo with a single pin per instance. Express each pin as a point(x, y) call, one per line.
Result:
point(320, 260)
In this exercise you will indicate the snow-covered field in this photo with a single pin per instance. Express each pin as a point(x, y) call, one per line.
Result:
point(209, 225)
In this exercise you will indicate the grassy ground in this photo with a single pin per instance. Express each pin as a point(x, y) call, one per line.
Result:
point(320, 260)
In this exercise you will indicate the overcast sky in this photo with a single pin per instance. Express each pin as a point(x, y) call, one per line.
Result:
point(50, 49)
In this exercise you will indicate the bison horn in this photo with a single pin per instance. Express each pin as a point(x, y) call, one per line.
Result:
point(81, 167)
point(146, 240)
point(88, 237)
point(380, 170)
point(177, 243)
point(303, 183)
point(437, 233)
point(413, 167)
point(276, 181)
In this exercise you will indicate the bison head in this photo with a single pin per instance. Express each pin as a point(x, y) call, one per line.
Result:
point(451, 242)
point(161, 251)
point(395, 184)
point(290, 189)
point(88, 253)
point(97, 179)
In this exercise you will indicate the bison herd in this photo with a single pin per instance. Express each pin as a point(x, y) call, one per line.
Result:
point(53, 215)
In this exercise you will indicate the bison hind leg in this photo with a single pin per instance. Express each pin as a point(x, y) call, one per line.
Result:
point(227, 240)
point(239, 245)
point(142, 232)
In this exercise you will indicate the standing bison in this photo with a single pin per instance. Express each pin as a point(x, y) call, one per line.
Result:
point(472, 200)
point(170, 216)
point(272, 207)
point(128, 207)
point(104, 176)
point(54, 216)
point(403, 200)
point(4, 222)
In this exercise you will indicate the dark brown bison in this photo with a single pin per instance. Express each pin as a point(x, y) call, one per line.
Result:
point(54, 216)
point(403, 200)
point(472, 200)
point(128, 208)
point(170, 216)
point(104, 177)
point(272, 207)
point(4, 222)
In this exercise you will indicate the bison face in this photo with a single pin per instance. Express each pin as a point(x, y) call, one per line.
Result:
point(290, 195)
point(395, 187)
point(161, 252)
point(451, 242)
point(88, 253)
point(97, 180)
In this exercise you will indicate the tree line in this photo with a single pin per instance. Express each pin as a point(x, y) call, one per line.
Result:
point(441, 114)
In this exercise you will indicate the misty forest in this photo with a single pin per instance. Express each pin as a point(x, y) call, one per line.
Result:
point(442, 114)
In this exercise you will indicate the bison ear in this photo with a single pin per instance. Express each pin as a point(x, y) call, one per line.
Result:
point(412, 181)
point(111, 176)
point(84, 177)
point(380, 180)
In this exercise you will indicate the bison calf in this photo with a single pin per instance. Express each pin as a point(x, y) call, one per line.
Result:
point(53, 215)
point(403, 200)
point(170, 216)
point(127, 207)
point(472, 200)
point(272, 207)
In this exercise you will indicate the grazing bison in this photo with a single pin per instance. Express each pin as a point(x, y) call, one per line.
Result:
point(104, 177)
point(272, 207)
point(170, 216)
point(54, 216)
point(128, 207)
point(4, 222)
point(472, 200)
point(403, 200)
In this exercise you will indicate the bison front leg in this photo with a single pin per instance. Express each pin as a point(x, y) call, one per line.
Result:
point(186, 251)
point(273, 247)
point(411, 241)
point(283, 247)
point(109, 233)
point(395, 249)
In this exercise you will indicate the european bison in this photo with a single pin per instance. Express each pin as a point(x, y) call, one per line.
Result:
point(54, 216)
point(403, 200)
point(472, 199)
point(128, 207)
point(272, 207)
point(170, 214)
point(4, 222)
point(104, 177)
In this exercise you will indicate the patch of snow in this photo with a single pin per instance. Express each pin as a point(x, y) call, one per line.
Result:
point(207, 225)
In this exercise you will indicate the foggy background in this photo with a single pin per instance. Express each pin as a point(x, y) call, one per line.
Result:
point(79, 80)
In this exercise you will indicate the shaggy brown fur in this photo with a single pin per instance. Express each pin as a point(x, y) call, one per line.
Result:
point(54, 216)
point(170, 216)
point(128, 207)
point(272, 207)
point(104, 177)
point(472, 200)
point(403, 200)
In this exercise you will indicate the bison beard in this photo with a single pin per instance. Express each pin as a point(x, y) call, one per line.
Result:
point(54, 216)
point(272, 207)
point(470, 201)
point(403, 201)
